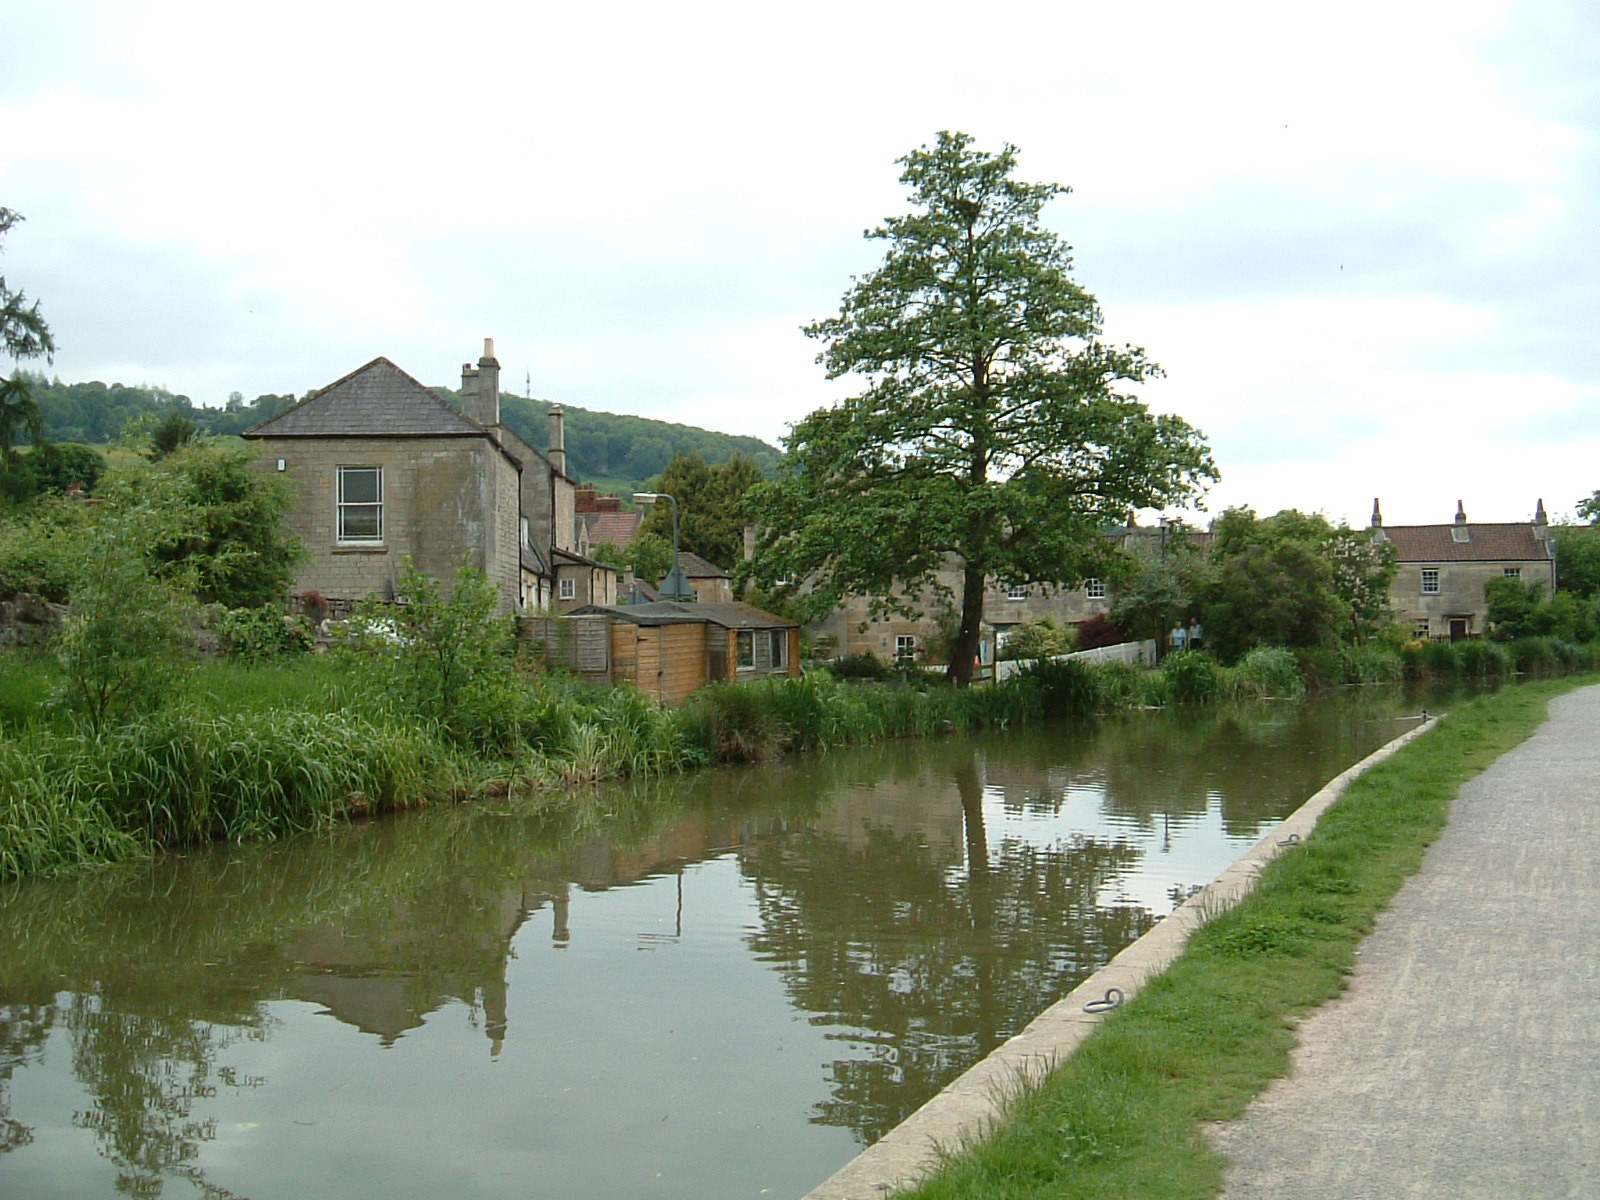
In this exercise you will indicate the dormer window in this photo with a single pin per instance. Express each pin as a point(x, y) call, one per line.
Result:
point(1461, 533)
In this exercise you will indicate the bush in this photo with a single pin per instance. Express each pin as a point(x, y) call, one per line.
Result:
point(257, 634)
point(1064, 689)
point(1191, 676)
point(865, 665)
point(1036, 639)
point(1266, 671)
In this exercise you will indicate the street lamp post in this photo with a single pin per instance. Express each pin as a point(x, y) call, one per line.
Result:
point(674, 586)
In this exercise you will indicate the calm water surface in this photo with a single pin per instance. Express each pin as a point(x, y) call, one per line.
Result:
point(724, 994)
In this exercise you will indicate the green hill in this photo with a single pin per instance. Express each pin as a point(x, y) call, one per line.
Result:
point(612, 450)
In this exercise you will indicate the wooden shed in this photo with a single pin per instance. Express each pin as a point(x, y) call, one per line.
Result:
point(668, 648)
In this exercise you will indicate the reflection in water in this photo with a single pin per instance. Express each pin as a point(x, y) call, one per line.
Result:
point(730, 988)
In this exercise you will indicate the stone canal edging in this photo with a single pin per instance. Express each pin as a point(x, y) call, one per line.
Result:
point(970, 1105)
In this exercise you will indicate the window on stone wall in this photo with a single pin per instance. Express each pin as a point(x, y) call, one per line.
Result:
point(361, 504)
point(569, 589)
point(1094, 589)
point(1016, 591)
point(905, 645)
point(1422, 627)
point(1512, 572)
point(1430, 581)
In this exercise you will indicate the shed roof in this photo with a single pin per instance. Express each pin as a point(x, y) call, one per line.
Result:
point(733, 615)
point(695, 567)
point(1514, 542)
point(377, 400)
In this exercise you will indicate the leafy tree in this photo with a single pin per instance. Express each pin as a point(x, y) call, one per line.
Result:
point(25, 334)
point(1287, 580)
point(172, 431)
point(1156, 585)
point(452, 653)
point(1578, 559)
point(648, 554)
point(991, 436)
point(126, 641)
point(713, 503)
point(223, 535)
point(1589, 508)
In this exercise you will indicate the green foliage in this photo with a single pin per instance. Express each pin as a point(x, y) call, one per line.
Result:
point(1522, 610)
point(24, 333)
point(41, 550)
point(1291, 580)
point(125, 644)
point(650, 556)
point(221, 530)
point(865, 665)
point(1036, 639)
point(450, 653)
point(257, 634)
point(1577, 550)
point(1266, 671)
point(1065, 689)
point(992, 436)
point(171, 432)
point(713, 506)
point(57, 466)
point(1156, 584)
point(1192, 676)
point(1589, 508)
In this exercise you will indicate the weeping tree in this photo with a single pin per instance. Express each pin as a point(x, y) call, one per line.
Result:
point(23, 334)
point(992, 440)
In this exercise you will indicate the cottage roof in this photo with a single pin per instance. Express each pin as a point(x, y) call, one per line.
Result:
point(733, 615)
point(695, 567)
point(617, 528)
point(1482, 543)
point(377, 400)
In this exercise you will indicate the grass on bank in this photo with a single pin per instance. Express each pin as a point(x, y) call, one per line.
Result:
point(1124, 1115)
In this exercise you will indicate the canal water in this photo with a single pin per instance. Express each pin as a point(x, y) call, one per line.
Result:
point(716, 987)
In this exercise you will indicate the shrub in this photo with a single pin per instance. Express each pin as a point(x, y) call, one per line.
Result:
point(1191, 676)
point(257, 634)
point(1267, 671)
point(865, 665)
point(1064, 689)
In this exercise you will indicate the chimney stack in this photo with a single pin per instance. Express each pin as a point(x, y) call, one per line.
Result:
point(558, 441)
point(480, 388)
point(1377, 514)
point(1461, 513)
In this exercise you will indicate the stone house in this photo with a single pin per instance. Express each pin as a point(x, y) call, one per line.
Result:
point(386, 470)
point(1441, 569)
point(852, 629)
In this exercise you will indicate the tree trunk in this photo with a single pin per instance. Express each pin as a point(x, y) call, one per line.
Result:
point(964, 652)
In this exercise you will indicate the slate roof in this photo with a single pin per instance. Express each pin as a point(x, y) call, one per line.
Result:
point(1486, 543)
point(695, 567)
point(377, 400)
point(673, 612)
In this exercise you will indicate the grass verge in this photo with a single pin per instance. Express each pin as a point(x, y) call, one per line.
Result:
point(1124, 1116)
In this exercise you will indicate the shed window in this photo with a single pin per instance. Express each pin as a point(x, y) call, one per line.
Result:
point(361, 504)
point(778, 640)
point(746, 640)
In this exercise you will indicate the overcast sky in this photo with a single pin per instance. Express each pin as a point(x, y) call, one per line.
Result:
point(1360, 238)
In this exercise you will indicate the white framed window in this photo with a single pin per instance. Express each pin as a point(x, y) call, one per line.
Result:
point(1430, 581)
point(1016, 591)
point(1094, 589)
point(1422, 627)
point(905, 645)
point(360, 504)
point(569, 589)
point(1512, 572)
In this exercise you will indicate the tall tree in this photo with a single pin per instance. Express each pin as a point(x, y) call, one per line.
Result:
point(992, 436)
point(24, 334)
point(713, 504)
